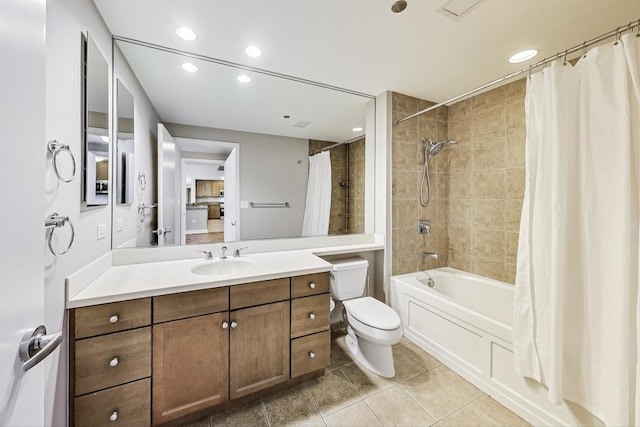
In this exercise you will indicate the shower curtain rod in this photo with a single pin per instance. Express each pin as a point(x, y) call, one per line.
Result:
point(329, 147)
point(617, 33)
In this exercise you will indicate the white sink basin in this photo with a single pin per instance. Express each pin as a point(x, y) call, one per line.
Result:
point(224, 266)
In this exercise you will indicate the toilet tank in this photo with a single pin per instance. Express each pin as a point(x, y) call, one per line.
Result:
point(348, 278)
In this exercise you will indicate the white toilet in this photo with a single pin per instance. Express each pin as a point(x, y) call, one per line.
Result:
point(372, 326)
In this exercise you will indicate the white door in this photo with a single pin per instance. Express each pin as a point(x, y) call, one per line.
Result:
point(169, 194)
point(22, 122)
point(231, 197)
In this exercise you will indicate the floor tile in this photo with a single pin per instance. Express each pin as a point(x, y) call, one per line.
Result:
point(365, 381)
point(483, 412)
point(420, 356)
point(292, 407)
point(395, 407)
point(403, 341)
point(332, 392)
point(340, 354)
point(441, 391)
point(248, 414)
point(206, 422)
point(358, 414)
point(406, 364)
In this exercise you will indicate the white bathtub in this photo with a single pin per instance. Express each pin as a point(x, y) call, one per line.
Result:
point(465, 321)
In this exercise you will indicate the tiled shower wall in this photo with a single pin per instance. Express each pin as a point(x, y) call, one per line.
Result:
point(408, 158)
point(478, 184)
point(487, 181)
point(339, 192)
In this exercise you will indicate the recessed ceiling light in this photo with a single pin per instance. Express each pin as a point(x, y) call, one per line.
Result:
point(357, 129)
point(523, 56)
point(243, 78)
point(186, 33)
point(253, 51)
point(398, 6)
point(188, 66)
point(105, 138)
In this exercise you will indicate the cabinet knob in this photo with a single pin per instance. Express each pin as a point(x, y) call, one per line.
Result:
point(114, 319)
point(312, 285)
point(312, 355)
point(234, 324)
point(312, 316)
point(225, 325)
point(114, 362)
point(114, 416)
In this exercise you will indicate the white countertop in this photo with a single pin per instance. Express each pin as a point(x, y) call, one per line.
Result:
point(124, 282)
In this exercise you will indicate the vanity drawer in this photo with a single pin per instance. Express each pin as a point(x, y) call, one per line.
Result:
point(310, 353)
point(111, 360)
point(258, 293)
point(113, 317)
point(309, 315)
point(190, 304)
point(310, 284)
point(127, 405)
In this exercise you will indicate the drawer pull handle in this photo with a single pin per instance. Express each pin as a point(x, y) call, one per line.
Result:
point(114, 362)
point(312, 355)
point(234, 324)
point(312, 316)
point(114, 416)
point(114, 319)
point(225, 325)
point(312, 285)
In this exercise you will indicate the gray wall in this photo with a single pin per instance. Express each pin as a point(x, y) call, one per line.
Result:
point(272, 169)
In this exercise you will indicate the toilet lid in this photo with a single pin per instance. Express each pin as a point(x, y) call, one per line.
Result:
point(373, 313)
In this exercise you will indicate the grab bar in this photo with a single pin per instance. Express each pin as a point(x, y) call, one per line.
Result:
point(270, 205)
point(54, 221)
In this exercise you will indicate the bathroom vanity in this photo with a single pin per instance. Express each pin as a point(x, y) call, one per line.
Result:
point(147, 348)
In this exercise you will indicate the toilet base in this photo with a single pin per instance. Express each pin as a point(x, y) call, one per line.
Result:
point(375, 357)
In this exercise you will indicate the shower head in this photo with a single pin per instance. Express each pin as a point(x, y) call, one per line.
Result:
point(435, 147)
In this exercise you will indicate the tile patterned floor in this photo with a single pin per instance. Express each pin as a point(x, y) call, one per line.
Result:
point(423, 393)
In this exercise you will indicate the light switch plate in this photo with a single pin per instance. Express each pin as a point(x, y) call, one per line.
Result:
point(102, 231)
point(120, 225)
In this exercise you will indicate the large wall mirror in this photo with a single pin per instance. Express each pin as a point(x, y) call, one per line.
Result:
point(125, 154)
point(95, 156)
point(229, 155)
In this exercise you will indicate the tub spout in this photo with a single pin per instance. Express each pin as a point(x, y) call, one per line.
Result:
point(433, 255)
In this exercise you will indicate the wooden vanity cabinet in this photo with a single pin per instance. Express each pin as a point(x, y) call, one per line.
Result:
point(185, 353)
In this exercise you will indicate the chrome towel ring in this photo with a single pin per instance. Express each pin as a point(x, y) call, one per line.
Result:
point(56, 148)
point(54, 221)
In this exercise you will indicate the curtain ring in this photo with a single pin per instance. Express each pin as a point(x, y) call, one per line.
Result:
point(617, 38)
point(584, 49)
point(638, 28)
point(564, 60)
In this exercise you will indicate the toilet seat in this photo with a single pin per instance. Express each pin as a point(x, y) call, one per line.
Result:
point(373, 313)
point(373, 320)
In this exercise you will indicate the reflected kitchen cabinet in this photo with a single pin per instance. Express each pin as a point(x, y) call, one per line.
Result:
point(207, 188)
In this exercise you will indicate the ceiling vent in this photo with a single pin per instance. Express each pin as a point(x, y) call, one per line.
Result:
point(301, 124)
point(455, 9)
point(221, 168)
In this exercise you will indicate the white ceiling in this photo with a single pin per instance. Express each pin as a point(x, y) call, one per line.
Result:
point(362, 46)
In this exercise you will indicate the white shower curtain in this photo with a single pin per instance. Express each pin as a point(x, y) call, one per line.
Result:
point(576, 304)
point(318, 207)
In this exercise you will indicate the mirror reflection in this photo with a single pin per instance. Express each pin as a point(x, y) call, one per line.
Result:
point(125, 158)
point(233, 158)
point(96, 126)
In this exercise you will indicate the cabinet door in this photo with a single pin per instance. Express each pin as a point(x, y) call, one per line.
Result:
point(190, 365)
point(208, 188)
point(259, 348)
point(200, 190)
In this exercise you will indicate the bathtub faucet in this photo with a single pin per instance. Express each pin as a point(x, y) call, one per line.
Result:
point(433, 255)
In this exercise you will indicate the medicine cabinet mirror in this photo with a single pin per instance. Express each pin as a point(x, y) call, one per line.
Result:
point(125, 155)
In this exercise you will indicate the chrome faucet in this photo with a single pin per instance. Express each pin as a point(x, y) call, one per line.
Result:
point(236, 253)
point(433, 255)
point(223, 252)
point(207, 255)
point(424, 226)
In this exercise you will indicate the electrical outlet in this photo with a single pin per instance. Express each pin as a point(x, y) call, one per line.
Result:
point(120, 225)
point(102, 231)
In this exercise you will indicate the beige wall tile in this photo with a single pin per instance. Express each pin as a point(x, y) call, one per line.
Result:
point(489, 124)
point(460, 185)
point(488, 244)
point(489, 100)
point(460, 212)
point(517, 89)
point(511, 247)
point(489, 184)
point(512, 210)
point(515, 183)
point(460, 239)
point(515, 150)
point(489, 268)
point(459, 260)
point(511, 273)
point(489, 153)
point(488, 214)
